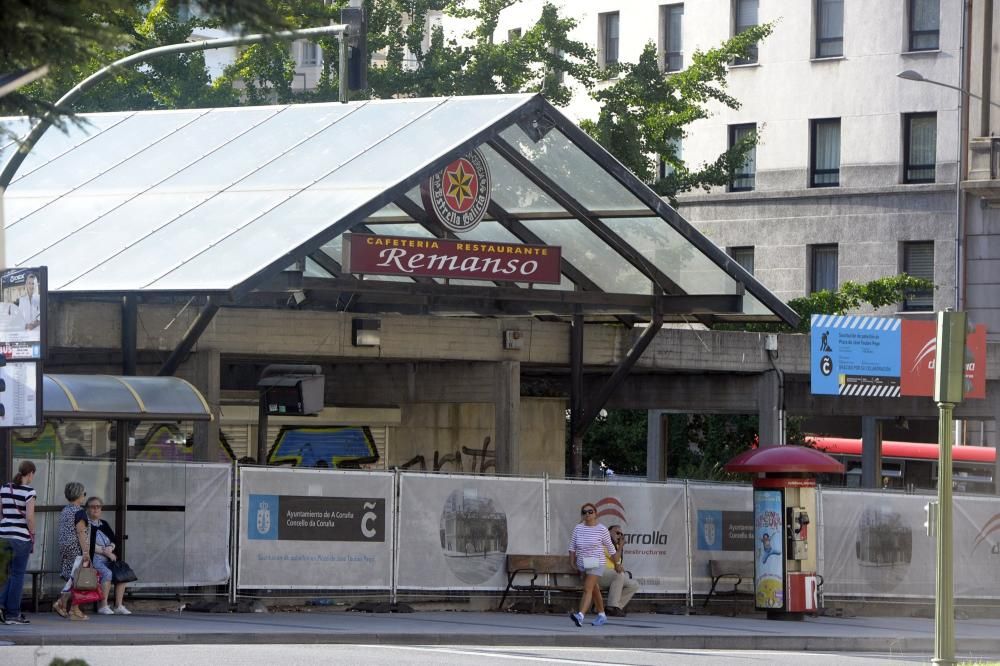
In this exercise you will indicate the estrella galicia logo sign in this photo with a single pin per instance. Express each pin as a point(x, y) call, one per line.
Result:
point(263, 511)
point(297, 518)
point(459, 194)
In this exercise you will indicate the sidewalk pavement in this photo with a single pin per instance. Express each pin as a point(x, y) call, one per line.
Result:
point(974, 637)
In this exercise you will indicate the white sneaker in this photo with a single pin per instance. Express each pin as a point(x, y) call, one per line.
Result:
point(105, 610)
point(121, 610)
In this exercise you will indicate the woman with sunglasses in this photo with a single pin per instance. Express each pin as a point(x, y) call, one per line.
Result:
point(586, 551)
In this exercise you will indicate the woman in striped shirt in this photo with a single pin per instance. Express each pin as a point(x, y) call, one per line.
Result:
point(586, 552)
point(17, 530)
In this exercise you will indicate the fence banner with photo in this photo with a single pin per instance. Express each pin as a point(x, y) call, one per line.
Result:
point(315, 529)
point(976, 549)
point(722, 528)
point(456, 531)
point(652, 519)
point(179, 523)
point(875, 545)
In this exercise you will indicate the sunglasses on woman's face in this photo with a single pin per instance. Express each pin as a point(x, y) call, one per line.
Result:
point(586, 511)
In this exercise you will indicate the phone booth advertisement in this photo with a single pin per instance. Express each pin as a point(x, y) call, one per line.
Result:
point(769, 565)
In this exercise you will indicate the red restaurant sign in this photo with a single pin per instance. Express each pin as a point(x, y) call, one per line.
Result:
point(438, 257)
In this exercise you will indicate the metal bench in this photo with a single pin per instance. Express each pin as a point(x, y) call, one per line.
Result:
point(729, 570)
point(36, 590)
point(555, 566)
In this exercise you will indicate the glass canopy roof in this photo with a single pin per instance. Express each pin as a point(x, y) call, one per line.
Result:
point(221, 200)
point(133, 398)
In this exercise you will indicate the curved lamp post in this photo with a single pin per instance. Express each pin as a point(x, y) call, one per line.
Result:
point(12, 165)
point(913, 75)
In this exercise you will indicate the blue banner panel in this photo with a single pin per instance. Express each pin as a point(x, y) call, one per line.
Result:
point(853, 355)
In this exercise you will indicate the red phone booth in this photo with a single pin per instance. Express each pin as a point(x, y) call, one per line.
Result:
point(786, 583)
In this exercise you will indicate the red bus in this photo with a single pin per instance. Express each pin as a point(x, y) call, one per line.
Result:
point(912, 465)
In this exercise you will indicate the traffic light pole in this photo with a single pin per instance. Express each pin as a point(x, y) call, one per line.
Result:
point(949, 389)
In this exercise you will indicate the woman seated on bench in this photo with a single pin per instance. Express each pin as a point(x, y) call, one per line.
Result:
point(621, 587)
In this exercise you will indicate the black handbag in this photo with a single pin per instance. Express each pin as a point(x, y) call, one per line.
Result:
point(121, 572)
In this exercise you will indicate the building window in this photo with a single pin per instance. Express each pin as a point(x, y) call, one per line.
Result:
point(609, 37)
point(745, 16)
point(666, 168)
point(824, 168)
point(823, 271)
point(673, 52)
point(308, 54)
point(918, 262)
point(829, 28)
point(513, 34)
point(742, 179)
point(925, 24)
point(919, 147)
point(743, 256)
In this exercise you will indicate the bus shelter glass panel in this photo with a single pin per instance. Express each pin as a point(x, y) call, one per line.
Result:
point(81, 452)
point(593, 187)
point(582, 248)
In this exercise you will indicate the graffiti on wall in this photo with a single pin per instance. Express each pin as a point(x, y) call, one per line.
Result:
point(476, 461)
point(342, 447)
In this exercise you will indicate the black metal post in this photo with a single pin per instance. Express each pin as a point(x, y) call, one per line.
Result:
point(262, 427)
point(121, 484)
point(576, 395)
point(130, 316)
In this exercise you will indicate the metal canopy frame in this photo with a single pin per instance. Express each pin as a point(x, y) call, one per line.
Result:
point(671, 303)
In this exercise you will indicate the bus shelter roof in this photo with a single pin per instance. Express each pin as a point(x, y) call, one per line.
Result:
point(98, 397)
point(223, 202)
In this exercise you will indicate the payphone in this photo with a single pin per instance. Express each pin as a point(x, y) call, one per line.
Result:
point(786, 583)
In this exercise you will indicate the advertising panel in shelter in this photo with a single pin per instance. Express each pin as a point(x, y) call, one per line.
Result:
point(22, 313)
point(769, 564)
point(302, 528)
point(651, 517)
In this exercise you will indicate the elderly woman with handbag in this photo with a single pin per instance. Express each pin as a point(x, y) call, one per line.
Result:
point(102, 545)
point(73, 550)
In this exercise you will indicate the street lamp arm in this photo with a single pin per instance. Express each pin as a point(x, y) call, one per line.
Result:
point(47, 119)
point(911, 75)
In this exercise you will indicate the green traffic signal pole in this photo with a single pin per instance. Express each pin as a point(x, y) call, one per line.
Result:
point(949, 380)
point(186, 47)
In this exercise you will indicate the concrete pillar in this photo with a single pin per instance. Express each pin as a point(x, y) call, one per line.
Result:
point(871, 452)
point(771, 427)
point(657, 431)
point(207, 368)
point(507, 416)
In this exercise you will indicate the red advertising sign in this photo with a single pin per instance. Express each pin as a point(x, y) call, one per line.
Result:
point(919, 355)
point(438, 257)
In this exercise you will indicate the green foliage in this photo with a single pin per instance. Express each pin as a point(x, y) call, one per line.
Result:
point(619, 441)
point(878, 293)
point(59, 661)
point(646, 111)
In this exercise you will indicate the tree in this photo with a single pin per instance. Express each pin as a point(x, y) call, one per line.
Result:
point(850, 296)
point(645, 113)
point(76, 38)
